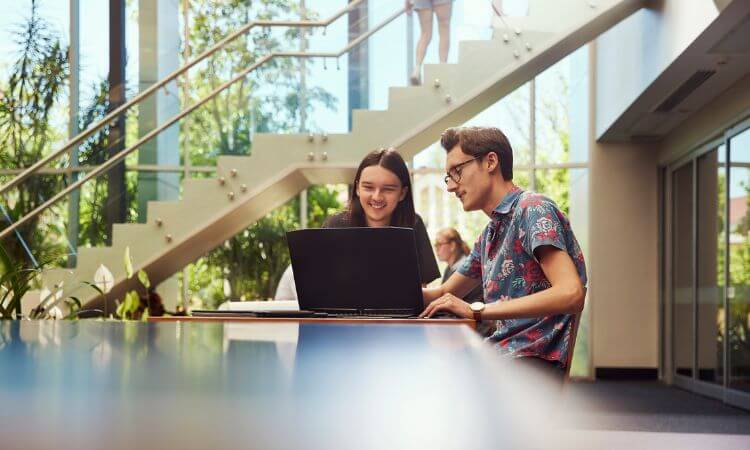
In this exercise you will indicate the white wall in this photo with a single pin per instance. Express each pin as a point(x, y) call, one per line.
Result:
point(623, 249)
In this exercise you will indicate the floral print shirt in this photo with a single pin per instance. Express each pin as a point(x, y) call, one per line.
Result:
point(503, 257)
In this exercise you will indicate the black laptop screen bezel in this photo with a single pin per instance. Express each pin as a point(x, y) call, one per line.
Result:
point(358, 271)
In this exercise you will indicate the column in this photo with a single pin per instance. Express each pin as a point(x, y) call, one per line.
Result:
point(359, 67)
point(116, 208)
point(158, 55)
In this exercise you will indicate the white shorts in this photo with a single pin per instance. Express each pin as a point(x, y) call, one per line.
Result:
point(429, 4)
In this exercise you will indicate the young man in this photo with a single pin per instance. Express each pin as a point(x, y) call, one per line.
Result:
point(527, 258)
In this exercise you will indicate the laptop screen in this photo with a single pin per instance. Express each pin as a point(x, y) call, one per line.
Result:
point(357, 270)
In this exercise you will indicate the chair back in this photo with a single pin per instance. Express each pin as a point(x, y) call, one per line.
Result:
point(572, 340)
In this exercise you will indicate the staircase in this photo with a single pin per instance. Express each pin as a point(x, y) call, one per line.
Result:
point(247, 187)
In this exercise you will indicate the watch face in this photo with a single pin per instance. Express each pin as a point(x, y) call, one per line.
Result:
point(477, 306)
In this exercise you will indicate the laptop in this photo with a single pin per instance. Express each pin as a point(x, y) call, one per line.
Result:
point(356, 272)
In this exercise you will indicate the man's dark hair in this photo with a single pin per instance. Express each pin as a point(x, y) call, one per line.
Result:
point(479, 141)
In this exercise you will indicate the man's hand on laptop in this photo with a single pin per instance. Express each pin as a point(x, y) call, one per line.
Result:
point(448, 303)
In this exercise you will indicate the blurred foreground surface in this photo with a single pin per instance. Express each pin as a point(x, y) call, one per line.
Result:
point(94, 384)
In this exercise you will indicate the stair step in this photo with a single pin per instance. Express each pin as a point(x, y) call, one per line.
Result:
point(285, 142)
point(370, 126)
point(125, 233)
point(420, 101)
point(55, 278)
point(144, 240)
point(90, 258)
point(205, 191)
point(163, 210)
point(249, 170)
point(444, 73)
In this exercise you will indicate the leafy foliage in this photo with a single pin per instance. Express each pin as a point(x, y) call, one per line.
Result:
point(36, 83)
point(93, 229)
point(739, 277)
point(15, 281)
point(135, 306)
point(270, 100)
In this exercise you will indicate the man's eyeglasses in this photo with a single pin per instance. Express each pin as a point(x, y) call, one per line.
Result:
point(455, 172)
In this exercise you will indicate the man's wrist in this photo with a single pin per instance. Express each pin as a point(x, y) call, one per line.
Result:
point(477, 308)
point(496, 311)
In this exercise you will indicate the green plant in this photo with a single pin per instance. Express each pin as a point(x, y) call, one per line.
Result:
point(17, 279)
point(133, 305)
point(48, 307)
point(15, 282)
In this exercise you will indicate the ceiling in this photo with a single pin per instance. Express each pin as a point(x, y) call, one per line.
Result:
point(717, 59)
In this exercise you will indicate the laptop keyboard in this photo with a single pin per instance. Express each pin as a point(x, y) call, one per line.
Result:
point(373, 314)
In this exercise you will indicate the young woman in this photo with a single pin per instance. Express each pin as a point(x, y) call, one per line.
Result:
point(382, 197)
point(451, 249)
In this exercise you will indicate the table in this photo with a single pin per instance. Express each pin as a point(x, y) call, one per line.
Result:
point(252, 384)
point(268, 384)
point(443, 321)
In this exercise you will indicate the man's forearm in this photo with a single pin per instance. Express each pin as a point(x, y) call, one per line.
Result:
point(555, 300)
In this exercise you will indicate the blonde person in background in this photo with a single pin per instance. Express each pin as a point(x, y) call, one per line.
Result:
point(452, 250)
point(425, 8)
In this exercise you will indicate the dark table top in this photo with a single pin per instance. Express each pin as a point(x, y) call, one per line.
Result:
point(95, 384)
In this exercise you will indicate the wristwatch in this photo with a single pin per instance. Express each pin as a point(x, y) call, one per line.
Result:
point(477, 308)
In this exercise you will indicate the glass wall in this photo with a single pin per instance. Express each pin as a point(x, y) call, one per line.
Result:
point(738, 292)
point(682, 270)
point(710, 268)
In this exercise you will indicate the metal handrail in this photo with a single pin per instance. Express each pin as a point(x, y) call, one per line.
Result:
point(163, 82)
point(104, 167)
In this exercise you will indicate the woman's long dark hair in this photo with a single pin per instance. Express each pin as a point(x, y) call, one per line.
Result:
point(388, 158)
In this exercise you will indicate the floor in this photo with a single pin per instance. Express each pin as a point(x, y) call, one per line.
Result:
point(654, 407)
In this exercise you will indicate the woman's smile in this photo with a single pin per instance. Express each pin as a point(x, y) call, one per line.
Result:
point(374, 204)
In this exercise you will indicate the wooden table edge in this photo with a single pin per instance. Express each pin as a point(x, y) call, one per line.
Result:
point(333, 320)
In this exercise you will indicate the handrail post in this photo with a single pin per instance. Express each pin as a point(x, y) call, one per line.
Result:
point(75, 196)
point(186, 140)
